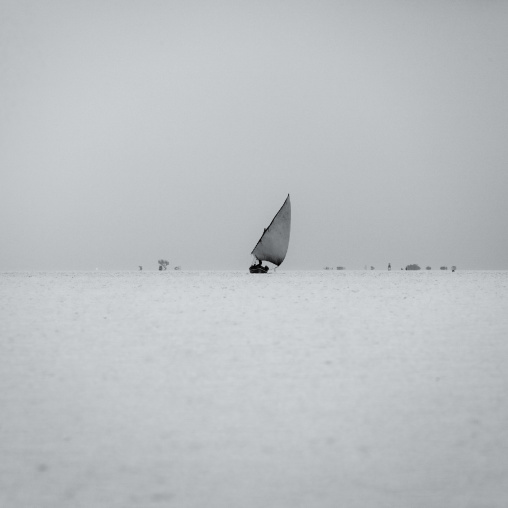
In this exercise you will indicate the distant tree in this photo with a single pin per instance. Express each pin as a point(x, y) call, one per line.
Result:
point(443, 268)
point(412, 267)
point(454, 268)
point(340, 268)
point(163, 264)
point(372, 268)
point(428, 268)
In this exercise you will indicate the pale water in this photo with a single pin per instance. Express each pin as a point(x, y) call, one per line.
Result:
point(225, 389)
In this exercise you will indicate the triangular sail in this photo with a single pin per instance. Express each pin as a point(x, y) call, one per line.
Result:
point(273, 244)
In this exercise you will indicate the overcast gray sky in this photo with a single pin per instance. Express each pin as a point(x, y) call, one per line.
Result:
point(137, 130)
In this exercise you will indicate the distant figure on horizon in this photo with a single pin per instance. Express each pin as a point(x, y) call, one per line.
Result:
point(140, 267)
point(389, 266)
point(260, 263)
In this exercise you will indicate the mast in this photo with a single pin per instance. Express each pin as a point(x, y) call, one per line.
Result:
point(273, 244)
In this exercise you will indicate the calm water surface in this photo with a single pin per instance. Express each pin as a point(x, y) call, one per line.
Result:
point(295, 389)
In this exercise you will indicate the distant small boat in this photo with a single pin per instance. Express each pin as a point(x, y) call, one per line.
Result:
point(273, 244)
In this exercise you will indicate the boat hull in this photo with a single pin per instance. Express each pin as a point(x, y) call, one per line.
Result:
point(258, 269)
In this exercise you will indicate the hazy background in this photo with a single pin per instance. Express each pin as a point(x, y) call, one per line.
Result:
point(131, 131)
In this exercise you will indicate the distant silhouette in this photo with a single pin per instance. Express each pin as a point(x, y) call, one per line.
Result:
point(140, 267)
point(163, 264)
point(260, 265)
point(389, 266)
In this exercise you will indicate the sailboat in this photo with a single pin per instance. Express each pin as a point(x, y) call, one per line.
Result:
point(273, 244)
